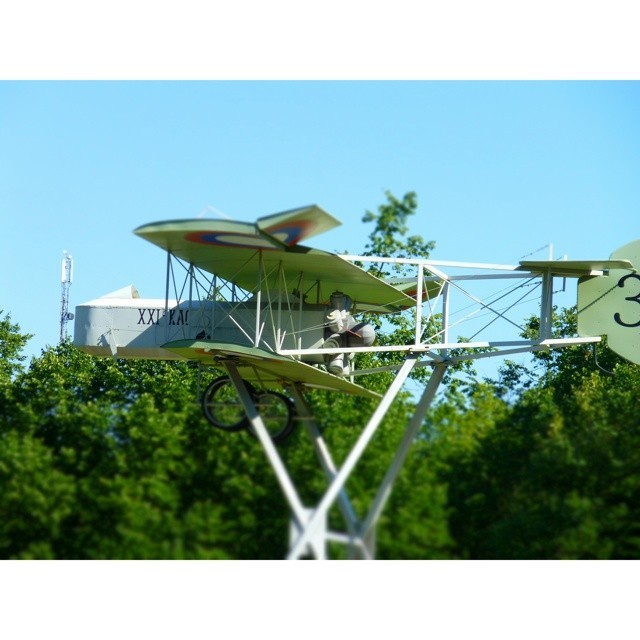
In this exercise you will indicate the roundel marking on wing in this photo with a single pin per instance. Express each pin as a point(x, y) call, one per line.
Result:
point(291, 233)
point(227, 239)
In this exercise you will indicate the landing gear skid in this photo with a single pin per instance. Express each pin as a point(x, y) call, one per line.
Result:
point(223, 409)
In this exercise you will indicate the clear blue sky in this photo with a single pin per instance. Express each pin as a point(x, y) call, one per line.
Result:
point(500, 168)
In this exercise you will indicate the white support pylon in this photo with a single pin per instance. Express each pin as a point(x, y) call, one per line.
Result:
point(356, 545)
point(309, 533)
point(338, 482)
point(368, 527)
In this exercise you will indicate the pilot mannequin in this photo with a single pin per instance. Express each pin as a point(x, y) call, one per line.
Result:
point(342, 330)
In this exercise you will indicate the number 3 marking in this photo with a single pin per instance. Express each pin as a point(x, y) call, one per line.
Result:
point(635, 298)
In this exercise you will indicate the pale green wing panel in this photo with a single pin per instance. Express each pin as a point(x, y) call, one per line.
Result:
point(573, 268)
point(292, 227)
point(430, 289)
point(430, 293)
point(234, 250)
point(609, 305)
point(323, 273)
point(259, 366)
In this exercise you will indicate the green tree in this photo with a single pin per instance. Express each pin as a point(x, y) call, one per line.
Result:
point(552, 473)
point(12, 342)
point(112, 459)
point(388, 237)
point(36, 498)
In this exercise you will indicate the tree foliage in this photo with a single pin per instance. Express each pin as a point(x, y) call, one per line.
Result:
point(388, 237)
point(555, 472)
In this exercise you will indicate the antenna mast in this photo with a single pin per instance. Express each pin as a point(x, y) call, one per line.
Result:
point(66, 279)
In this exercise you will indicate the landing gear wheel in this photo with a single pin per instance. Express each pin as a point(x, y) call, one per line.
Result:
point(277, 413)
point(222, 406)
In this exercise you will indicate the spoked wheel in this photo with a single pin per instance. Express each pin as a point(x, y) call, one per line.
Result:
point(222, 406)
point(277, 413)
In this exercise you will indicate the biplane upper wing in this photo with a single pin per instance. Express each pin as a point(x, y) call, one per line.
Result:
point(265, 367)
point(236, 251)
point(574, 268)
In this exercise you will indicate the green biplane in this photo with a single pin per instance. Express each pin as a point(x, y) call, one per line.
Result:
point(251, 296)
point(277, 318)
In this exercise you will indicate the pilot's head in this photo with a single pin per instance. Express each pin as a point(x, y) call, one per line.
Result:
point(340, 301)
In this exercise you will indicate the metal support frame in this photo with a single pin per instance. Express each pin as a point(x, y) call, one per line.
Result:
point(309, 525)
point(330, 470)
point(409, 436)
point(309, 532)
point(320, 512)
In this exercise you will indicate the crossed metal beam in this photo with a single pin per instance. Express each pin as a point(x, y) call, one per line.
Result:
point(310, 534)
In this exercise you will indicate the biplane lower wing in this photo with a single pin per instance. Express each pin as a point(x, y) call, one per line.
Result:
point(260, 366)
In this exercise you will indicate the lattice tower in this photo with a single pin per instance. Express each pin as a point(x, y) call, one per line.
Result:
point(66, 279)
